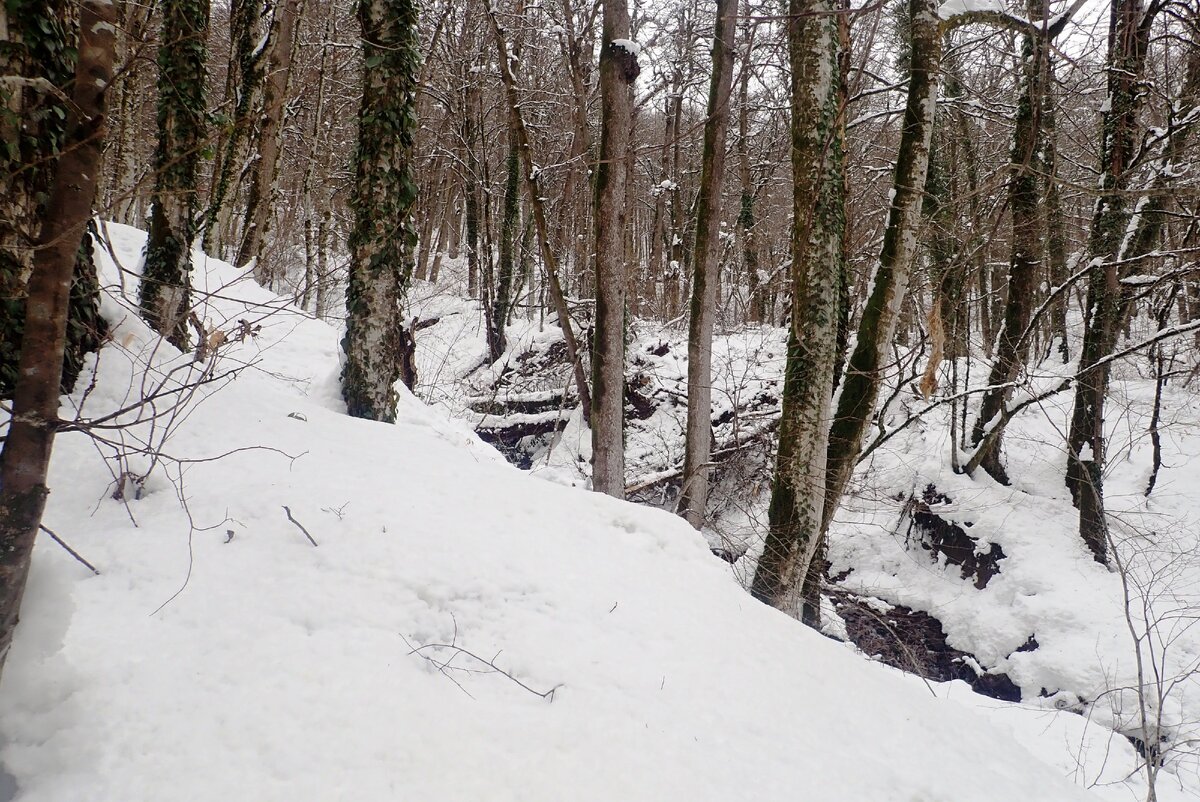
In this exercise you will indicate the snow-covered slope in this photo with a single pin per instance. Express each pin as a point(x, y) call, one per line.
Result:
point(220, 655)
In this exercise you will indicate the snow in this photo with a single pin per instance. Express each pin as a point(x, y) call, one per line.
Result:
point(219, 655)
point(954, 8)
point(629, 46)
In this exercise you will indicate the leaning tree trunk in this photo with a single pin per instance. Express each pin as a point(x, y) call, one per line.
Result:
point(818, 226)
point(693, 498)
point(26, 452)
point(549, 261)
point(877, 325)
point(166, 274)
point(1129, 29)
point(618, 70)
point(382, 238)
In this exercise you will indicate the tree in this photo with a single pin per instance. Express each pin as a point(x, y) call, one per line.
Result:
point(818, 226)
point(1128, 38)
point(877, 325)
point(249, 48)
point(26, 453)
point(524, 147)
point(182, 133)
point(38, 59)
point(618, 70)
point(262, 177)
point(693, 498)
point(1028, 245)
point(383, 236)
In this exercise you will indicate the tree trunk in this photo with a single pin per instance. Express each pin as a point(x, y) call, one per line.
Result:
point(26, 453)
point(877, 325)
point(693, 498)
point(754, 311)
point(40, 48)
point(270, 137)
point(166, 273)
point(618, 70)
point(1028, 238)
point(384, 193)
point(1128, 37)
point(251, 43)
point(1056, 222)
point(818, 207)
point(506, 267)
point(471, 185)
point(549, 263)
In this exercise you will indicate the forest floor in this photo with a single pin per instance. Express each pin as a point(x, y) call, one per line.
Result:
point(948, 576)
point(295, 605)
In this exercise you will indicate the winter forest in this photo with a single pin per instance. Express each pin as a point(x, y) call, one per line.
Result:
point(600, 399)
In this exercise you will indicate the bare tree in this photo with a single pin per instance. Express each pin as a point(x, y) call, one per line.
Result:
point(693, 499)
point(384, 193)
point(26, 453)
point(618, 70)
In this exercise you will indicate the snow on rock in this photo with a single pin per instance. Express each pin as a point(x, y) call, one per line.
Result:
point(219, 655)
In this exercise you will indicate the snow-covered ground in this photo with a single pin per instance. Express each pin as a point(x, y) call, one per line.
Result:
point(1059, 626)
point(461, 631)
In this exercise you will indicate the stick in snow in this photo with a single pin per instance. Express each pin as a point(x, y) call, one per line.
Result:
point(297, 523)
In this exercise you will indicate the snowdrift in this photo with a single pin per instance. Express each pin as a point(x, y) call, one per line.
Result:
point(579, 648)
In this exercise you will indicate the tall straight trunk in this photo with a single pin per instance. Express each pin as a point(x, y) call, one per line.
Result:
point(818, 226)
point(693, 498)
point(124, 196)
point(549, 262)
point(1025, 260)
point(574, 204)
point(877, 325)
point(25, 458)
point(166, 274)
point(270, 137)
point(1056, 221)
point(946, 271)
point(382, 238)
point(618, 70)
point(250, 45)
point(754, 310)
point(502, 300)
point(471, 185)
point(1128, 37)
point(658, 242)
point(324, 279)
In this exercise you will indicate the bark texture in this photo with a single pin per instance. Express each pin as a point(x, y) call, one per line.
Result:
point(693, 498)
point(270, 140)
point(877, 325)
point(818, 227)
point(1128, 37)
point(618, 70)
point(26, 455)
point(382, 240)
point(182, 118)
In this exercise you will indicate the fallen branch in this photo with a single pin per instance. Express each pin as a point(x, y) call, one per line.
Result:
point(445, 667)
point(70, 550)
point(297, 523)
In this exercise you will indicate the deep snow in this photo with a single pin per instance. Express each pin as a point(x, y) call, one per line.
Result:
point(219, 655)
